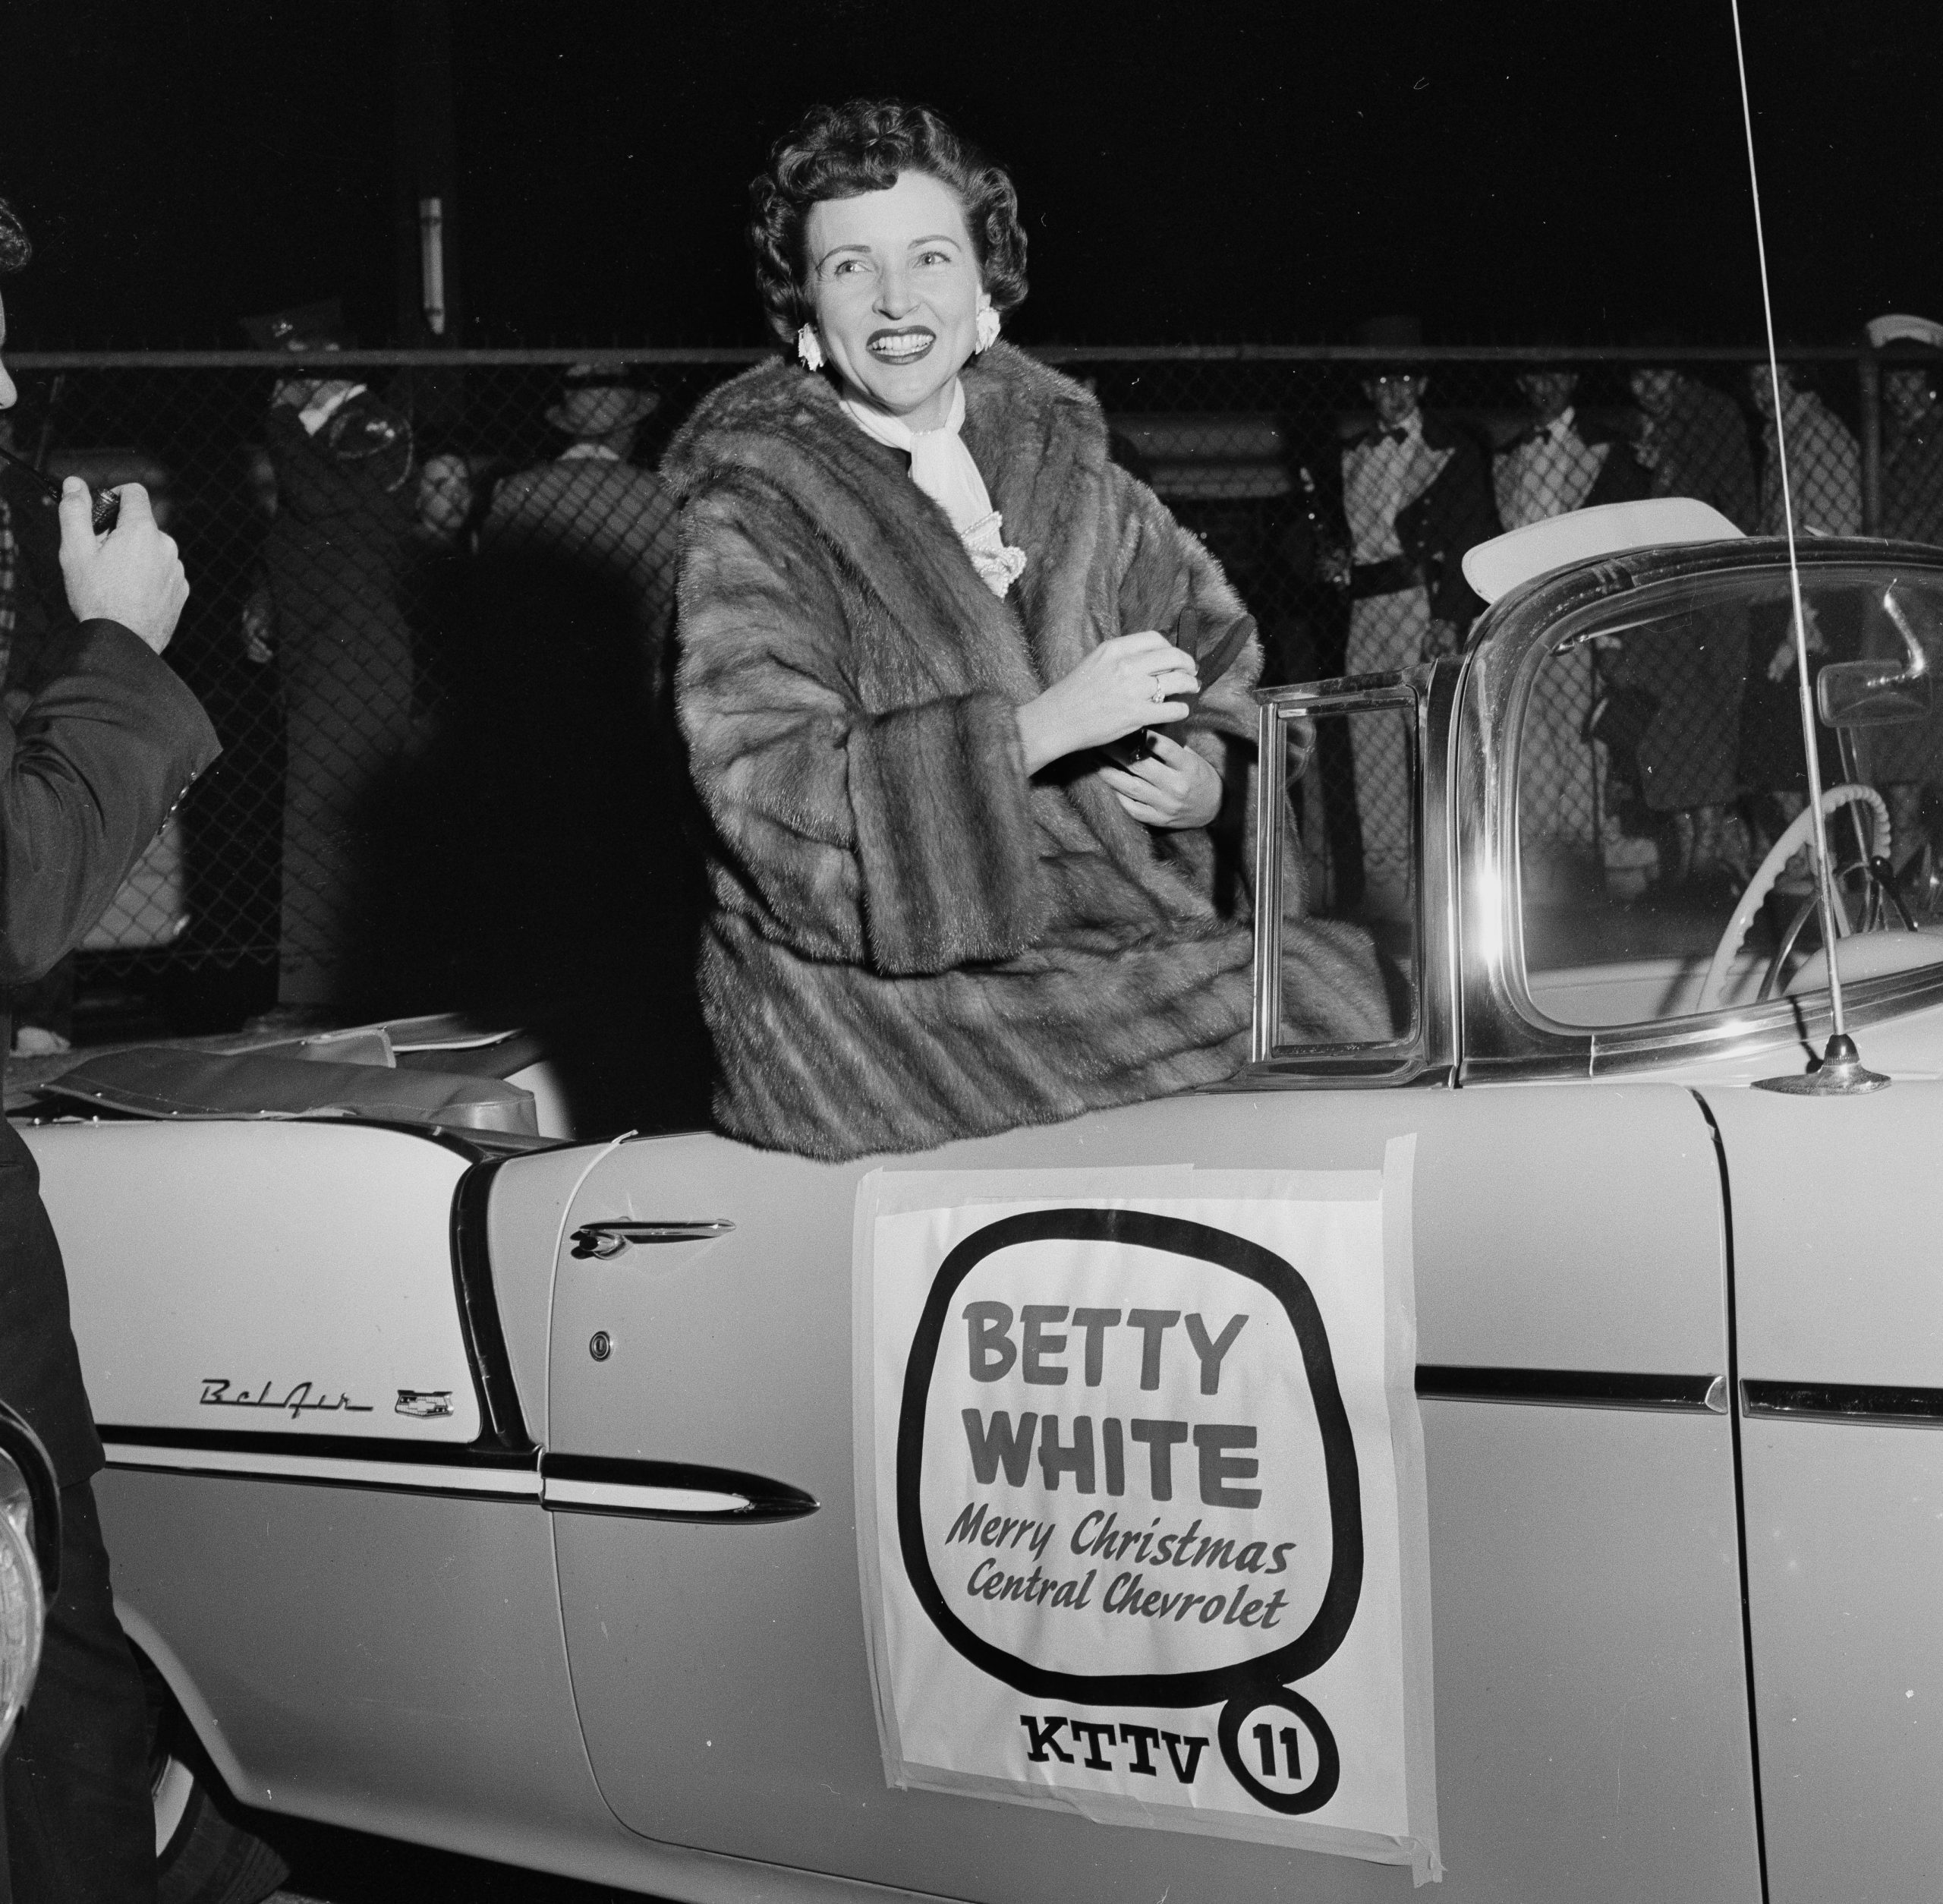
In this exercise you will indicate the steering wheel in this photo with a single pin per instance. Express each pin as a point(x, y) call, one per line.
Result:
point(1793, 836)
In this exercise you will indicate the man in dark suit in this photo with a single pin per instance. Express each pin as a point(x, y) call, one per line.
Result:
point(1561, 461)
point(1692, 438)
point(592, 507)
point(1416, 494)
point(336, 557)
point(1688, 678)
point(88, 773)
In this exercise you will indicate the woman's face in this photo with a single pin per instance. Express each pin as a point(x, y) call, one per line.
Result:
point(894, 284)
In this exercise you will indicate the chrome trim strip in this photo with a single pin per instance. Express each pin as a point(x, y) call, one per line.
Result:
point(659, 1503)
point(385, 1474)
point(1573, 1389)
point(1271, 799)
point(666, 1491)
point(393, 1446)
point(1440, 943)
point(1863, 1403)
point(1344, 694)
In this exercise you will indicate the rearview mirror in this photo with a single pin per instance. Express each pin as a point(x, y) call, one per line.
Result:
point(1872, 693)
point(1881, 692)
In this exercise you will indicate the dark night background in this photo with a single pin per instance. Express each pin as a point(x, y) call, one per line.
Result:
point(1190, 172)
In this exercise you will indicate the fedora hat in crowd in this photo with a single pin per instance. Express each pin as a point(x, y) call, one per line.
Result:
point(1399, 332)
point(592, 409)
point(1667, 344)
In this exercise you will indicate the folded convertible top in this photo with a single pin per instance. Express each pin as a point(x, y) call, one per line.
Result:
point(167, 1081)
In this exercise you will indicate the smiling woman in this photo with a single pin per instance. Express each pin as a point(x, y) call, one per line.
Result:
point(918, 600)
point(898, 315)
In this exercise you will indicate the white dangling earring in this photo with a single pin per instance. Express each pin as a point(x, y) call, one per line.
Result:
point(809, 348)
point(987, 334)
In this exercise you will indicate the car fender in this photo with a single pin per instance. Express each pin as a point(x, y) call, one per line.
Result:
point(147, 1639)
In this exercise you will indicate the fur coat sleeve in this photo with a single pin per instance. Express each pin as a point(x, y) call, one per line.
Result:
point(899, 836)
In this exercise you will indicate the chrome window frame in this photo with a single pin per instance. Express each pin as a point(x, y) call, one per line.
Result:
point(1505, 1034)
point(1428, 1055)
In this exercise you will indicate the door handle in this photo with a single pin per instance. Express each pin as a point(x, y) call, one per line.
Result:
point(609, 1238)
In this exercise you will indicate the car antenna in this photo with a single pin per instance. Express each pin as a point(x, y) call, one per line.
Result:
point(1840, 1072)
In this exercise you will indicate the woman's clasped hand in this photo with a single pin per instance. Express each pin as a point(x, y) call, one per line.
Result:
point(1127, 683)
point(1171, 786)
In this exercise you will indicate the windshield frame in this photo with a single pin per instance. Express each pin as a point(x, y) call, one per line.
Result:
point(1505, 1032)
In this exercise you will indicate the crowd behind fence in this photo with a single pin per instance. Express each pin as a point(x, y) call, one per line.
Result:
point(1251, 447)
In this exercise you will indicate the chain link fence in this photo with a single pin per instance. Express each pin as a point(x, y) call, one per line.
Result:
point(357, 590)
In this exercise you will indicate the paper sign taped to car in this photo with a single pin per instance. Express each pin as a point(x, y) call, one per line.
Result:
point(1141, 1504)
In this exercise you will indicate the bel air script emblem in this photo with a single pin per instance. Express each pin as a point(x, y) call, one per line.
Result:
point(300, 1398)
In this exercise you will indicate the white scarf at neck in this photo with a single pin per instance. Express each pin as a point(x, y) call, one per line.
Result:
point(942, 467)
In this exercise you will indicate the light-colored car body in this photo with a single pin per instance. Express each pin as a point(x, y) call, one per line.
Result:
point(447, 1514)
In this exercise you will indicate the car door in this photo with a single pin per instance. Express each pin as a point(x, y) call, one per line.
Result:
point(1840, 1308)
point(1592, 1707)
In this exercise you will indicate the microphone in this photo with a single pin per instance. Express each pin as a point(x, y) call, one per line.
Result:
point(107, 509)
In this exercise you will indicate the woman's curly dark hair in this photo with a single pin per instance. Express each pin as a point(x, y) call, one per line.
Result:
point(15, 248)
point(844, 151)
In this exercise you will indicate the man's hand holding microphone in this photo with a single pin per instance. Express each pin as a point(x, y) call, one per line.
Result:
point(132, 575)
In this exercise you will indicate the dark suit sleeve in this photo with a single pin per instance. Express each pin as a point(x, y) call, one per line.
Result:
point(1455, 513)
point(87, 776)
point(1622, 478)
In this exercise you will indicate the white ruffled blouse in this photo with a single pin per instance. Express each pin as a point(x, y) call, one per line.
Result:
point(943, 467)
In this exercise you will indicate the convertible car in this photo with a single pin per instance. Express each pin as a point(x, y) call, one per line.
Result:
point(491, 1486)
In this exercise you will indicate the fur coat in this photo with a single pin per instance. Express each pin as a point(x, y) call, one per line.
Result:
point(911, 942)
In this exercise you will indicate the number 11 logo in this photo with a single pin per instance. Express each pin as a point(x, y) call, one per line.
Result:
point(1293, 1765)
point(1292, 1742)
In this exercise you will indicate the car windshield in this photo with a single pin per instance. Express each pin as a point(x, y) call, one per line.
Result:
point(1661, 783)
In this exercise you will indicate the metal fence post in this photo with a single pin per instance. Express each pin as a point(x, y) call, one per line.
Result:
point(1870, 379)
